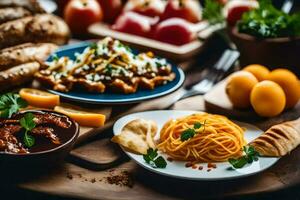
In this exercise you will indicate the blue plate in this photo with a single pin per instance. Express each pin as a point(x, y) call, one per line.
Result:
point(115, 98)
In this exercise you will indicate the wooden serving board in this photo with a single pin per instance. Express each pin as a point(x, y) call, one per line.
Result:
point(217, 101)
point(173, 52)
point(137, 183)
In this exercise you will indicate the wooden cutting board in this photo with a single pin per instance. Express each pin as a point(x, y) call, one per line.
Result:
point(217, 101)
point(173, 52)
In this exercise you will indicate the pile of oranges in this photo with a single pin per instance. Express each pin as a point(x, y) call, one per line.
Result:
point(268, 92)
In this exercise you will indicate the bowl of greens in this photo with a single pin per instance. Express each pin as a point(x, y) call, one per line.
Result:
point(268, 36)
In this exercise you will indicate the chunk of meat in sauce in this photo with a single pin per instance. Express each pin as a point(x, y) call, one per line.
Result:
point(46, 132)
point(11, 127)
point(59, 121)
point(8, 141)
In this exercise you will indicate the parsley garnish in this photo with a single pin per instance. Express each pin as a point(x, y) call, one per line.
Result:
point(108, 69)
point(190, 132)
point(269, 22)
point(120, 45)
point(55, 57)
point(10, 104)
point(213, 12)
point(28, 124)
point(187, 134)
point(197, 125)
point(152, 159)
point(94, 46)
point(250, 155)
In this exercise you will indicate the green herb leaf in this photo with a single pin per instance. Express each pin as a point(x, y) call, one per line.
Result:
point(10, 104)
point(160, 162)
point(187, 134)
point(238, 163)
point(150, 158)
point(120, 45)
point(269, 22)
point(152, 153)
point(147, 159)
point(55, 57)
point(29, 140)
point(190, 132)
point(213, 12)
point(27, 122)
point(94, 46)
point(250, 155)
point(197, 125)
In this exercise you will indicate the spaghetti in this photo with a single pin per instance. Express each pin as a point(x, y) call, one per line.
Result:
point(217, 139)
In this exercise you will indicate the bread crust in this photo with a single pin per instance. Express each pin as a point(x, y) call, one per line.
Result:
point(278, 140)
point(38, 28)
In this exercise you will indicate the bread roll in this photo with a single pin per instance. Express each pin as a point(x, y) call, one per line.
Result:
point(25, 53)
point(38, 28)
point(278, 140)
point(18, 75)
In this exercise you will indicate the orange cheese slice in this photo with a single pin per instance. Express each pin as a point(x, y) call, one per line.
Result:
point(38, 98)
point(82, 117)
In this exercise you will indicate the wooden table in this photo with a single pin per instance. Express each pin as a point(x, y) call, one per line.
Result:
point(77, 182)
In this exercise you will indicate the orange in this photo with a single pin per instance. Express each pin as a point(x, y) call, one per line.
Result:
point(268, 99)
point(239, 87)
point(289, 83)
point(259, 71)
point(81, 116)
point(38, 98)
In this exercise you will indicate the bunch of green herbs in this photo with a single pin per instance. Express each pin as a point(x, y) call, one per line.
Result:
point(269, 22)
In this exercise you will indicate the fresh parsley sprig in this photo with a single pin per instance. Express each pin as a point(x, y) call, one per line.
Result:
point(250, 155)
point(190, 132)
point(55, 58)
point(152, 159)
point(212, 12)
point(10, 104)
point(269, 22)
point(28, 124)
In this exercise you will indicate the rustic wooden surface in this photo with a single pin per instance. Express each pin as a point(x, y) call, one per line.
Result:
point(73, 181)
point(216, 101)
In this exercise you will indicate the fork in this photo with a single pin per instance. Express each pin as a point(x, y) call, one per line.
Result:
point(213, 75)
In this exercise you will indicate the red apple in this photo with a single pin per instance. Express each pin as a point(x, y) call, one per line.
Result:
point(234, 10)
point(134, 23)
point(189, 10)
point(151, 8)
point(175, 31)
point(111, 9)
point(80, 14)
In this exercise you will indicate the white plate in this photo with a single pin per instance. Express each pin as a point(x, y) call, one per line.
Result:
point(177, 168)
